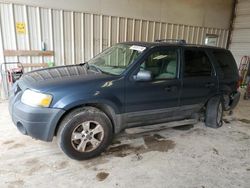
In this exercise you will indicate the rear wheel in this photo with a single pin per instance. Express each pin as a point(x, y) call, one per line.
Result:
point(214, 113)
point(85, 133)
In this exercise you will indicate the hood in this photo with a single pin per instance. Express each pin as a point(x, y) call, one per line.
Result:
point(63, 76)
point(55, 73)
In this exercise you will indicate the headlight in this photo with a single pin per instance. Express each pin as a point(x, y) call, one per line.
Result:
point(36, 99)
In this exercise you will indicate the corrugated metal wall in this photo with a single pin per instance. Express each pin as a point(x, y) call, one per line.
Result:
point(240, 41)
point(76, 36)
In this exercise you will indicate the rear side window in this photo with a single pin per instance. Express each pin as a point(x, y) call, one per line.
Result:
point(197, 64)
point(228, 67)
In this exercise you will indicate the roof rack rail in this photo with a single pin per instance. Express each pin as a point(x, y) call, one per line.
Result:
point(179, 41)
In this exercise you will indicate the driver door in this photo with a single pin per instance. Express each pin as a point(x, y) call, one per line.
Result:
point(156, 100)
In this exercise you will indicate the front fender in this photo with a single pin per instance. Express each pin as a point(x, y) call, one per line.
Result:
point(77, 99)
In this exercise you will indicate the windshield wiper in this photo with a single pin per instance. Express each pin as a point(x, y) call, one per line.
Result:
point(89, 66)
point(98, 69)
point(85, 64)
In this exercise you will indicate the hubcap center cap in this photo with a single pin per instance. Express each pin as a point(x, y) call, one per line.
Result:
point(88, 136)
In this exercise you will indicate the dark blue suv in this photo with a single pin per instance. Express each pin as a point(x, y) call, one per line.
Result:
point(127, 85)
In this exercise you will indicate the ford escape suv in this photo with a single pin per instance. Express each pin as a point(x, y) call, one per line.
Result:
point(127, 85)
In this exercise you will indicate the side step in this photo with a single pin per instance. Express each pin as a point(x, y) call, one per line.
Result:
point(161, 126)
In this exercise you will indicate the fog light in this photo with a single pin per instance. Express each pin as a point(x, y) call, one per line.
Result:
point(21, 128)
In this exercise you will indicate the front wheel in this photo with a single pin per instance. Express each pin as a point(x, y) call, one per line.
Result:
point(85, 133)
point(214, 113)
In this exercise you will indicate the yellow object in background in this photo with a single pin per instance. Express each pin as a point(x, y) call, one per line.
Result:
point(20, 28)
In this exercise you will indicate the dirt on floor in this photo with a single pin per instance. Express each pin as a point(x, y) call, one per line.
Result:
point(187, 156)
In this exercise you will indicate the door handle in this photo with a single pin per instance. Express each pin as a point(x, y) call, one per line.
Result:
point(209, 84)
point(167, 88)
point(170, 88)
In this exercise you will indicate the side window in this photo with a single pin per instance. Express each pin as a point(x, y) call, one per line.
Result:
point(197, 64)
point(162, 64)
point(226, 63)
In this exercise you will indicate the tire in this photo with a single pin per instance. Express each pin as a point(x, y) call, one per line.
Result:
point(85, 133)
point(214, 113)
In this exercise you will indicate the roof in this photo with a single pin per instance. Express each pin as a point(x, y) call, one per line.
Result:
point(155, 44)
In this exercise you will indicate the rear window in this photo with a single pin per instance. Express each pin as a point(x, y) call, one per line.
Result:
point(226, 62)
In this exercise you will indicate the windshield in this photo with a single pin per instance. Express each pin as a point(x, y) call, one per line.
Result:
point(116, 59)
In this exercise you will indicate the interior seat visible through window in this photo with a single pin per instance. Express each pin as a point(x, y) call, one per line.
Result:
point(162, 65)
point(169, 71)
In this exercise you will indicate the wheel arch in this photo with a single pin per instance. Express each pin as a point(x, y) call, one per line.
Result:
point(215, 95)
point(107, 109)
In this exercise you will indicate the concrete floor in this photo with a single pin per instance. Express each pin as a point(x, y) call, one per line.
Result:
point(190, 156)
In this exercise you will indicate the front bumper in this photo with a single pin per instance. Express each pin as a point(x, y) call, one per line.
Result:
point(39, 123)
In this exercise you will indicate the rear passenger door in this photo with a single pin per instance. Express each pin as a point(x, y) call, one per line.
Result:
point(198, 79)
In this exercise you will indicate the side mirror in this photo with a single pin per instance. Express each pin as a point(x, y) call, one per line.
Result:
point(143, 75)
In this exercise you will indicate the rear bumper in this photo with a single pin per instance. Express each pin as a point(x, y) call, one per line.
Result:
point(39, 123)
point(234, 100)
